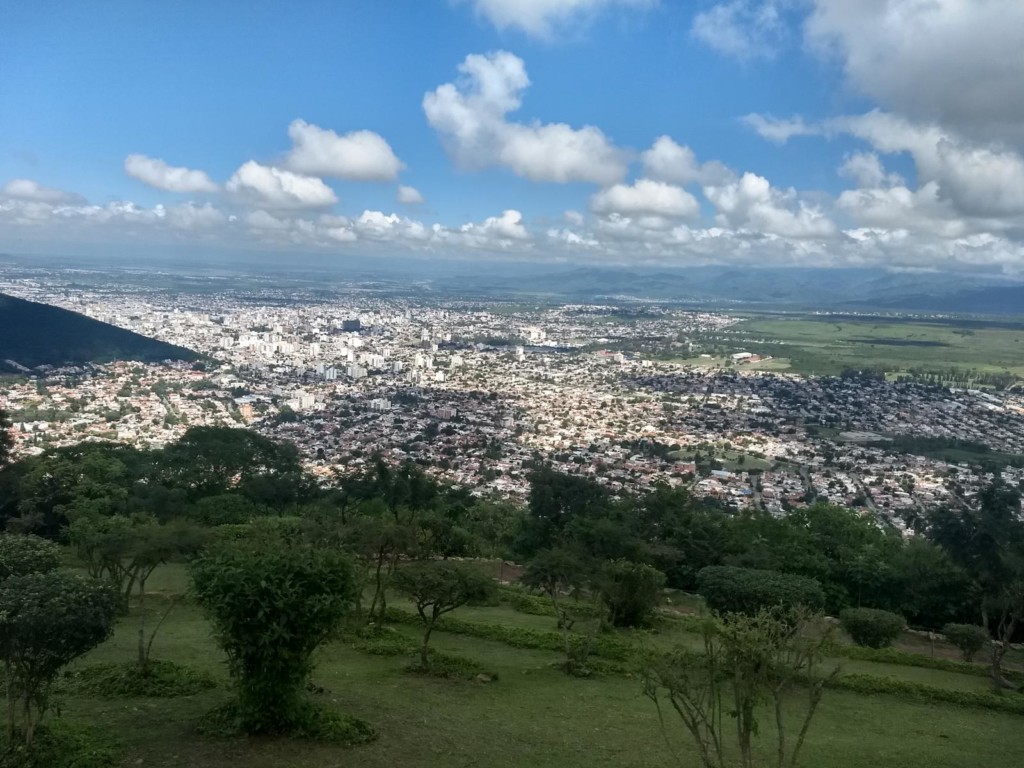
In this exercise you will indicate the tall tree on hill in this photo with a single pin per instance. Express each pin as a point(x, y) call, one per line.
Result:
point(6, 442)
point(987, 541)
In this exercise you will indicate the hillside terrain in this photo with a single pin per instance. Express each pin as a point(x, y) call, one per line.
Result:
point(35, 335)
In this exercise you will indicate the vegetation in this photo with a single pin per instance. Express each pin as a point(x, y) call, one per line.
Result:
point(391, 562)
point(40, 334)
point(728, 589)
point(871, 627)
point(272, 605)
point(969, 638)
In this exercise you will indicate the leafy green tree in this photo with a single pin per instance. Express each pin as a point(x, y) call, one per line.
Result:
point(46, 621)
point(770, 661)
point(557, 500)
point(272, 604)
point(6, 441)
point(987, 541)
point(561, 574)
point(23, 554)
point(630, 591)
point(439, 587)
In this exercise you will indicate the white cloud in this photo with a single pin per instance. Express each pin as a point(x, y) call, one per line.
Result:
point(508, 226)
point(470, 117)
point(866, 170)
point(191, 216)
point(27, 189)
point(752, 203)
point(668, 161)
point(980, 180)
point(358, 156)
point(743, 29)
point(780, 130)
point(409, 195)
point(541, 17)
point(156, 173)
point(955, 62)
point(653, 198)
point(275, 188)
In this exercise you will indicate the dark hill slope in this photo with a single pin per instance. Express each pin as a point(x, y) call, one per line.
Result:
point(33, 334)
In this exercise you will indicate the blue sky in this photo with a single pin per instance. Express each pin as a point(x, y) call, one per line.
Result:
point(810, 132)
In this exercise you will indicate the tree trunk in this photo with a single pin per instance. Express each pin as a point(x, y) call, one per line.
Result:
point(143, 655)
point(424, 658)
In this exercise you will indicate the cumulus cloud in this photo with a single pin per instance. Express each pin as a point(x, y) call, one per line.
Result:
point(743, 29)
point(865, 170)
point(780, 130)
point(409, 195)
point(954, 62)
point(645, 197)
point(156, 173)
point(507, 227)
point(980, 180)
point(752, 203)
point(275, 188)
point(540, 17)
point(668, 161)
point(471, 118)
point(27, 189)
point(358, 156)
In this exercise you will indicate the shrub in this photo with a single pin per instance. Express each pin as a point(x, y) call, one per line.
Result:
point(969, 638)
point(63, 745)
point(161, 679)
point(910, 689)
point(24, 554)
point(272, 605)
point(308, 720)
point(448, 666)
point(728, 589)
point(630, 591)
point(871, 627)
point(46, 621)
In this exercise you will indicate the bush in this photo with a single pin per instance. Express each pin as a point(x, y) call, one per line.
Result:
point(630, 591)
point(272, 604)
point(24, 554)
point(969, 638)
point(162, 679)
point(46, 621)
point(728, 589)
point(309, 720)
point(450, 667)
point(383, 641)
point(62, 745)
point(871, 627)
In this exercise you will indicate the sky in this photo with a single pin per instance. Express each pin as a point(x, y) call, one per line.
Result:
point(882, 133)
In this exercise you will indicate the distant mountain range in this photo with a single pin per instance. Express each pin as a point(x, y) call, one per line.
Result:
point(33, 335)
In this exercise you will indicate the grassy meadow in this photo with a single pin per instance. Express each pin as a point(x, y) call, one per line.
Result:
point(531, 715)
point(818, 344)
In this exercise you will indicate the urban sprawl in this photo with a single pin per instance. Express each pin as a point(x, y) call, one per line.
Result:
point(478, 392)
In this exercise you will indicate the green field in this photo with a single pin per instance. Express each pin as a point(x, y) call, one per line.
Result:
point(829, 344)
point(532, 715)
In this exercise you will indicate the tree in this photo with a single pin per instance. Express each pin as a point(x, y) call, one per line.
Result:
point(987, 541)
point(439, 587)
point(272, 604)
point(630, 591)
point(6, 441)
point(46, 621)
point(24, 554)
point(746, 662)
point(561, 574)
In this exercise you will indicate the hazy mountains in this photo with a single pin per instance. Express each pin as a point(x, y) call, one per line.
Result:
point(33, 335)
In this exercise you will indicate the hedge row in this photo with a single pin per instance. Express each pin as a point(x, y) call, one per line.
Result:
point(612, 647)
point(869, 684)
point(525, 602)
point(907, 659)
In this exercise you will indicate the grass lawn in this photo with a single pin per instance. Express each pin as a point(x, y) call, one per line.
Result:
point(827, 345)
point(533, 715)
